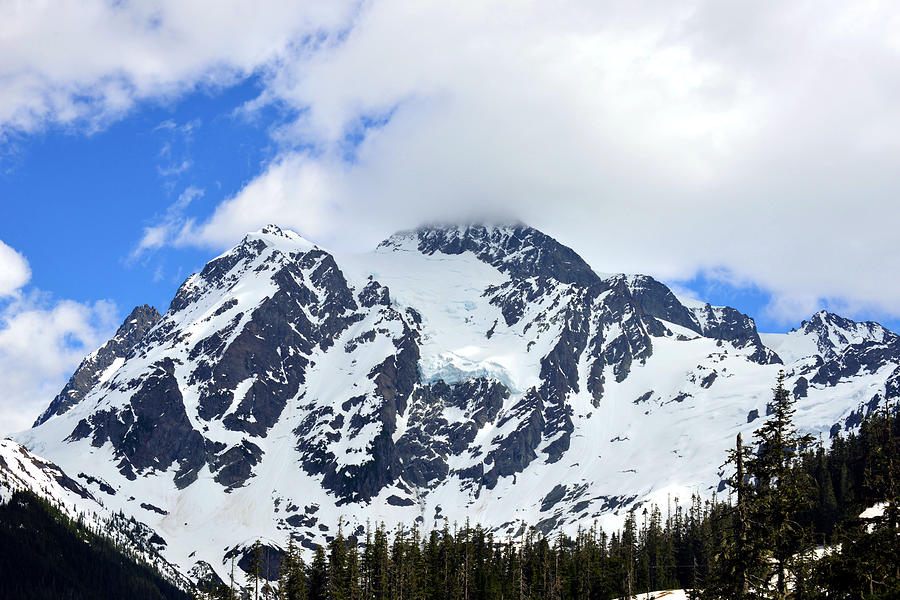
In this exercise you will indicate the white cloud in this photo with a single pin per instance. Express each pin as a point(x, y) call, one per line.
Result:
point(14, 271)
point(40, 347)
point(293, 190)
point(167, 229)
point(41, 343)
point(89, 61)
point(757, 140)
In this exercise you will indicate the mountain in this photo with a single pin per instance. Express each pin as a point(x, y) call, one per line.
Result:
point(103, 362)
point(45, 555)
point(35, 535)
point(481, 372)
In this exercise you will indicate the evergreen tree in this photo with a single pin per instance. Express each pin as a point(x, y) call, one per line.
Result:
point(338, 568)
point(629, 542)
point(292, 581)
point(366, 564)
point(779, 494)
point(826, 511)
point(381, 566)
point(255, 568)
point(735, 561)
point(318, 576)
point(354, 575)
point(867, 565)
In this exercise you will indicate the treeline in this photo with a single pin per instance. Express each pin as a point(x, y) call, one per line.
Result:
point(787, 494)
point(790, 495)
point(45, 555)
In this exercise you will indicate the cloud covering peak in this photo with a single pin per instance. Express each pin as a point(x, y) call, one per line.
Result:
point(752, 143)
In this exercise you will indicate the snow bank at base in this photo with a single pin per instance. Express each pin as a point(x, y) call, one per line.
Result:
point(873, 511)
point(662, 594)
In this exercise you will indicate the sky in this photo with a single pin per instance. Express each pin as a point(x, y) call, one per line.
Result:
point(746, 153)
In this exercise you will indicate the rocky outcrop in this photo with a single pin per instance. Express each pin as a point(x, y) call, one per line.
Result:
point(153, 431)
point(718, 322)
point(95, 369)
point(519, 250)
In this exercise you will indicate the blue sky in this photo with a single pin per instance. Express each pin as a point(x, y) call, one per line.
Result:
point(745, 154)
point(76, 204)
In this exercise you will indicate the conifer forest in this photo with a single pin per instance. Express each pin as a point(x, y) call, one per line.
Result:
point(788, 525)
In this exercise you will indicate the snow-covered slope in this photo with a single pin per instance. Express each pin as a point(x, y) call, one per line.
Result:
point(480, 372)
point(22, 470)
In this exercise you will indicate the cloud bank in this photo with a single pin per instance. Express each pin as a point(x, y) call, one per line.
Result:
point(751, 142)
point(758, 142)
point(86, 62)
point(14, 271)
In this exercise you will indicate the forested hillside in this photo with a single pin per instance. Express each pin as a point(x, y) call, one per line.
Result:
point(46, 555)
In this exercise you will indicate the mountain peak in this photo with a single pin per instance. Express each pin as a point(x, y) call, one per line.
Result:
point(459, 368)
point(824, 321)
point(283, 239)
point(513, 248)
point(272, 229)
point(99, 366)
point(823, 318)
point(141, 318)
point(833, 332)
point(449, 231)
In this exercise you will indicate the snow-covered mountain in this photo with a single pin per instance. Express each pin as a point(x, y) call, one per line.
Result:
point(480, 372)
point(100, 364)
point(22, 470)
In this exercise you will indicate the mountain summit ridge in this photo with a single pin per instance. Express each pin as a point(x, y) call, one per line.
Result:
point(98, 365)
point(512, 247)
point(454, 372)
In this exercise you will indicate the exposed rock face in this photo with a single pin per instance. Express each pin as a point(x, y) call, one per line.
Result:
point(455, 371)
point(716, 322)
point(833, 333)
point(518, 250)
point(96, 368)
point(153, 431)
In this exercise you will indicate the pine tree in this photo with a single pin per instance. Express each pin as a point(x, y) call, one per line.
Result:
point(867, 563)
point(231, 591)
point(367, 561)
point(381, 565)
point(292, 582)
point(318, 576)
point(255, 568)
point(869, 560)
point(827, 507)
point(735, 561)
point(432, 566)
point(338, 569)
point(779, 494)
point(629, 541)
point(353, 571)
